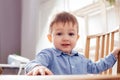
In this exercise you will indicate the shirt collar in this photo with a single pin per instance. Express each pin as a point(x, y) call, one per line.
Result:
point(59, 52)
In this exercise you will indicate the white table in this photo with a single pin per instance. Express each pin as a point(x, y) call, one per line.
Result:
point(60, 77)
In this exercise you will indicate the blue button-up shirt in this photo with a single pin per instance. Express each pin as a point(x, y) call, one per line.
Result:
point(61, 63)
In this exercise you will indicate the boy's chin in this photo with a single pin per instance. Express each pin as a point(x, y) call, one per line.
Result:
point(67, 52)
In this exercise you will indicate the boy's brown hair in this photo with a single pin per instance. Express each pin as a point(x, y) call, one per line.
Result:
point(64, 17)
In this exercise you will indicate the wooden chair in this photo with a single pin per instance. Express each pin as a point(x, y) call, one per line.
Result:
point(1, 70)
point(104, 44)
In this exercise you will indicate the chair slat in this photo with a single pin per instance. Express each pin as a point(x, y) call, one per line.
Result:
point(107, 44)
point(87, 47)
point(111, 47)
point(97, 48)
point(102, 46)
point(118, 64)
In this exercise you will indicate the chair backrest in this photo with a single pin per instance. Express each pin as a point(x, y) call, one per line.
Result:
point(104, 44)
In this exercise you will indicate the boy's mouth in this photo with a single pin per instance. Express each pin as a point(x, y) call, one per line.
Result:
point(65, 44)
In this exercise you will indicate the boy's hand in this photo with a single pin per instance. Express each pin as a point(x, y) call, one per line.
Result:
point(116, 52)
point(40, 70)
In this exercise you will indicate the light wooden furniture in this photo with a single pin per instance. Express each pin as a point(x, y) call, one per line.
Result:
point(1, 70)
point(104, 44)
point(61, 77)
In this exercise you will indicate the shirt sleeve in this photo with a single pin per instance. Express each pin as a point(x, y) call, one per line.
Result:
point(42, 58)
point(101, 65)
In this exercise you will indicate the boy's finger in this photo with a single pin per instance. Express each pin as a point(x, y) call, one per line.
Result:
point(36, 72)
point(29, 73)
point(48, 72)
point(42, 71)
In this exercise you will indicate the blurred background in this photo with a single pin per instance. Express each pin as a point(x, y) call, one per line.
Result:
point(24, 23)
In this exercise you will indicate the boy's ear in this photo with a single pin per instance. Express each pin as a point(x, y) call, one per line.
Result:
point(78, 37)
point(49, 37)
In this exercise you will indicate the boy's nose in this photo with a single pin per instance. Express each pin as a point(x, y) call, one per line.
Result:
point(66, 37)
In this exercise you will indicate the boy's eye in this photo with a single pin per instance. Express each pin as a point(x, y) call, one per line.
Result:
point(71, 34)
point(59, 34)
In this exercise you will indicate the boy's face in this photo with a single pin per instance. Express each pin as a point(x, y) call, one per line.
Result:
point(64, 36)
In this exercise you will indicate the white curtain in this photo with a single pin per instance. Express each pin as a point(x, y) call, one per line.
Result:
point(30, 24)
point(35, 18)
